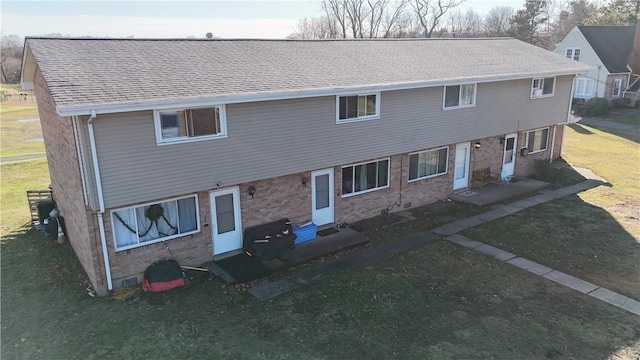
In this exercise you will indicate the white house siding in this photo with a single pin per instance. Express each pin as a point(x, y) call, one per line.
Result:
point(588, 56)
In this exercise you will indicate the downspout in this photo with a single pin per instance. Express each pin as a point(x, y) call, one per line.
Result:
point(569, 115)
point(553, 144)
point(96, 170)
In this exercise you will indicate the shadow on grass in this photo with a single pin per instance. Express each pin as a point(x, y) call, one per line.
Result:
point(572, 236)
point(581, 129)
point(435, 302)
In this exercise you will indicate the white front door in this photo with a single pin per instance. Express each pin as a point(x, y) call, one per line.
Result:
point(225, 220)
point(461, 171)
point(322, 196)
point(509, 158)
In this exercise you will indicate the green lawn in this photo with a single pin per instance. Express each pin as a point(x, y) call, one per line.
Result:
point(630, 116)
point(436, 302)
point(594, 235)
point(18, 137)
point(16, 178)
point(439, 301)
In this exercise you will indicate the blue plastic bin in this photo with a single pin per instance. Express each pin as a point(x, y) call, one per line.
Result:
point(305, 233)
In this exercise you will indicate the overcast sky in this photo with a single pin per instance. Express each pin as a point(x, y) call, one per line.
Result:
point(145, 19)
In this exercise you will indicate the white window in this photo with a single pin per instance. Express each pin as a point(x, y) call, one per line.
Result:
point(459, 96)
point(365, 177)
point(190, 124)
point(542, 87)
point(154, 222)
point(537, 140)
point(357, 107)
point(584, 86)
point(428, 163)
point(573, 53)
point(617, 87)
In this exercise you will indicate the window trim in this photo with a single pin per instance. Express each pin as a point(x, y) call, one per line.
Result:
point(444, 97)
point(586, 80)
point(532, 93)
point(573, 53)
point(446, 167)
point(358, 118)
point(179, 140)
point(342, 195)
point(129, 247)
point(526, 140)
point(613, 90)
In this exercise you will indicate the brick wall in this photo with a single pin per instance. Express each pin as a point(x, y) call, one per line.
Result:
point(62, 158)
point(608, 88)
point(288, 197)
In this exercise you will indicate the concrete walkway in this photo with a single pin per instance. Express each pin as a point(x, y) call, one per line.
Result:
point(268, 289)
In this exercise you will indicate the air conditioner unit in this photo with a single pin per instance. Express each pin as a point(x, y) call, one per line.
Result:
point(524, 152)
point(537, 92)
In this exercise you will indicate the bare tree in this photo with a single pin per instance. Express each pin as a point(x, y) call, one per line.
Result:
point(496, 22)
point(314, 28)
point(395, 19)
point(336, 10)
point(468, 23)
point(10, 58)
point(429, 13)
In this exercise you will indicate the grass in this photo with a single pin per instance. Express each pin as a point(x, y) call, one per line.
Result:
point(616, 158)
point(439, 301)
point(594, 235)
point(19, 138)
point(18, 177)
point(629, 116)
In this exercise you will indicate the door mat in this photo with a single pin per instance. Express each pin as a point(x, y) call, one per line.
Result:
point(326, 232)
point(468, 193)
point(244, 268)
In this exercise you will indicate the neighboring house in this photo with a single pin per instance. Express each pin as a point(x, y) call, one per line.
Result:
point(330, 131)
point(607, 49)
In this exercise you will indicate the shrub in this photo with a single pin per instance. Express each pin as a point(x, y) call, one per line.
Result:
point(620, 102)
point(543, 170)
point(595, 107)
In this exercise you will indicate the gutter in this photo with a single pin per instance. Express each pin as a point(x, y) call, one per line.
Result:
point(96, 170)
point(163, 104)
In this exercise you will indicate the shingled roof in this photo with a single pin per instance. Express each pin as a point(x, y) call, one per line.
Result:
point(612, 44)
point(86, 73)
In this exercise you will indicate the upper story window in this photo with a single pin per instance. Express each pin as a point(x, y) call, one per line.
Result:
point(542, 87)
point(617, 87)
point(357, 107)
point(573, 53)
point(365, 177)
point(459, 96)
point(584, 86)
point(537, 140)
point(428, 163)
point(155, 222)
point(190, 124)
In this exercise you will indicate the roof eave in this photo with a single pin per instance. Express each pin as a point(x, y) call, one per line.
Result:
point(120, 107)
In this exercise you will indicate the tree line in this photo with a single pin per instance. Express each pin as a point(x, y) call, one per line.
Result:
point(540, 22)
point(537, 19)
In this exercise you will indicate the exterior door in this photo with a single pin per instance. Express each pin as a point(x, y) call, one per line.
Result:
point(461, 171)
point(322, 196)
point(509, 158)
point(226, 226)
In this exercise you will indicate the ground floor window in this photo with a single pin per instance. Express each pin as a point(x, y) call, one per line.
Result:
point(146, 224)
point(428, 163)
point(537, 140)
point(365, 177)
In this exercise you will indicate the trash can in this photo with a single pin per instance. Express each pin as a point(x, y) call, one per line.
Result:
point(44, 207)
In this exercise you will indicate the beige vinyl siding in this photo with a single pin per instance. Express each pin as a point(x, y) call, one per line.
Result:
point(275, 138)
